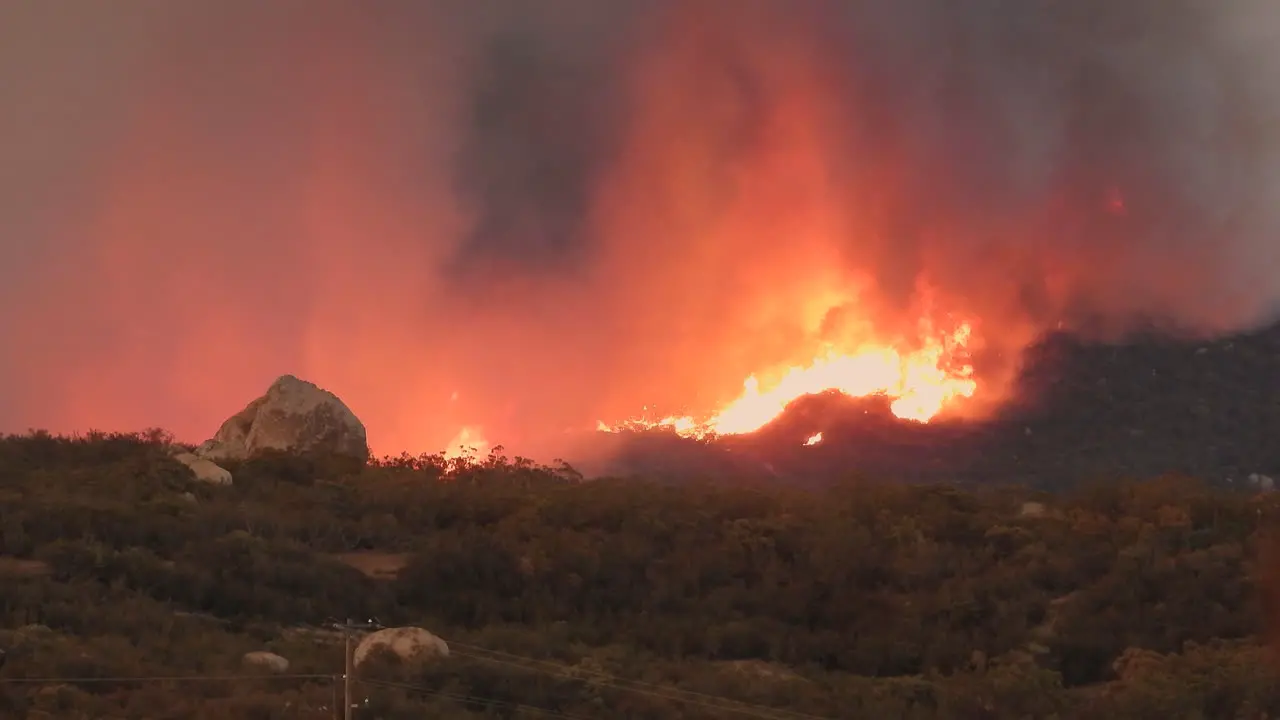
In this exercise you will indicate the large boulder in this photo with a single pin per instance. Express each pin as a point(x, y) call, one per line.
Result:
point(293, 416)
point(407, 643)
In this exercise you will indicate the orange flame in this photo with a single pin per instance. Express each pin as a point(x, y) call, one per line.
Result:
point(922, 384)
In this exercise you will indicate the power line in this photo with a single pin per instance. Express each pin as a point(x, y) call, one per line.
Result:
point(333, 680)
point(162, 678)
point(475, 652)
point(735, 706)
point(297, 676)
point(639, 687)
point(655, 686)
point(460, 697)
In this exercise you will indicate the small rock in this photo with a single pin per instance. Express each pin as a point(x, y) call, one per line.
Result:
point(266, 660)
point(205, 470)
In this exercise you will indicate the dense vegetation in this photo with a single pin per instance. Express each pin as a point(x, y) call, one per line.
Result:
point(588, 599)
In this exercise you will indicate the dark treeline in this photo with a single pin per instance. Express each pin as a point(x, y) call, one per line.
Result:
point(1131, 600)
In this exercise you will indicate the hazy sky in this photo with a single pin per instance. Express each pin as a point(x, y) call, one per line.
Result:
point(567, 210)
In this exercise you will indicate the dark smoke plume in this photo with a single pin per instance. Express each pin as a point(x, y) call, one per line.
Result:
point(482, 214)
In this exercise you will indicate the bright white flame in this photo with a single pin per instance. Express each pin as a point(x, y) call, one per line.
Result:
point(468, 443)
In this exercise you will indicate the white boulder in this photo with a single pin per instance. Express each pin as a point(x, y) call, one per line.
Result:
point(407, 643)
point(266, 661)
point(205, 470)
point(293, 416)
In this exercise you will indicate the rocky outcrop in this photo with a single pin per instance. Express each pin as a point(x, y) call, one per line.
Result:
point(407, 643)
point(204, 470)
point(266, 661)
point(293, 416)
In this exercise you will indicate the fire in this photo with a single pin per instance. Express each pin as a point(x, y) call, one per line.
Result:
point(921, 383)
point(814, 439)
point(468, 443)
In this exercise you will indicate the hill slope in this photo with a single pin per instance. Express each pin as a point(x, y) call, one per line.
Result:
point(1142, 408)
point(862, 600)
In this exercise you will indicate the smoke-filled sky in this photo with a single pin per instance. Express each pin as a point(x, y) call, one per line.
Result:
point(528, 217)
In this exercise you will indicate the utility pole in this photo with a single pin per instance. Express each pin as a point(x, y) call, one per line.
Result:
point(346, 672)
point(348, 662)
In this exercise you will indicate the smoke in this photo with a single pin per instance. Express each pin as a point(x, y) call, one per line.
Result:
point(474, 214)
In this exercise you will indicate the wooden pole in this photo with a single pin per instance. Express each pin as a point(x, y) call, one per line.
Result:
point(346, 675)
point(348, 661)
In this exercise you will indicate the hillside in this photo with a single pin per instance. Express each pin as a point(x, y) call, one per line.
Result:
point(1085, 411)
point(564, 598)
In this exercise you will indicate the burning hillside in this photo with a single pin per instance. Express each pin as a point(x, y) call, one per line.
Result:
point(498, 225)
point(1142, 408)
point(922, 384)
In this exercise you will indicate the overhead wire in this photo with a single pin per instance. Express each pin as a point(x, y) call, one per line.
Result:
point(459, 697)
point(481, 654)
point(465, 698)
point(50, 680)
point(640, 687)
point(665, 692)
